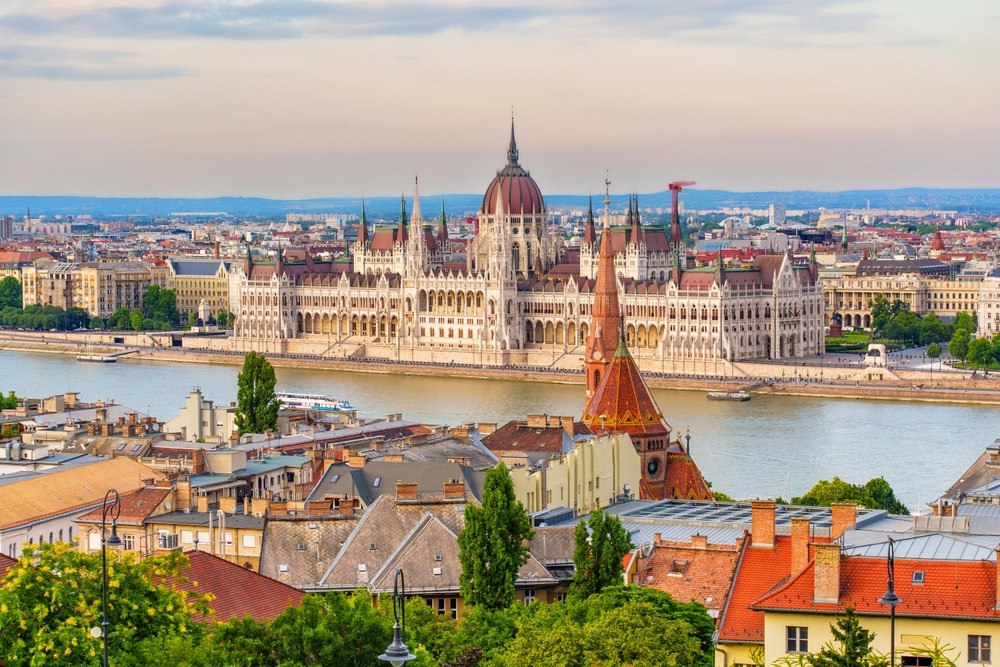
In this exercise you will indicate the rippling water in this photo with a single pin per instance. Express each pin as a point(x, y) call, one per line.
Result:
point(769, 446)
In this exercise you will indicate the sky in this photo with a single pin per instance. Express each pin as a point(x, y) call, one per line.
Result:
point(318, 98)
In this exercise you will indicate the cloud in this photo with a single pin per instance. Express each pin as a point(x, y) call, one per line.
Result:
point(289, 19)
point(19, 61)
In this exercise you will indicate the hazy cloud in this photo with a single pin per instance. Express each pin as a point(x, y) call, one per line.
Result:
point(60, 64)
point(287, 19)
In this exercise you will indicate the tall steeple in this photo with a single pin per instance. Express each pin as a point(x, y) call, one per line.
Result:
point(416, 218)
point(442, 228)
point(363, 225)
point(589, 234)
point(401, 234)
point(605, 326)
point(512, 149)
point(633, 212)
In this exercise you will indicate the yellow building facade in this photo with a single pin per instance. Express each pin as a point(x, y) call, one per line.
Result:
point(594, 474)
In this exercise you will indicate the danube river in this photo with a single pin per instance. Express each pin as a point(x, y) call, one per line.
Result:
point(769, 446)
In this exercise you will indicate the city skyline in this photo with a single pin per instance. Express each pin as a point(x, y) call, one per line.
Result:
point(314, 99)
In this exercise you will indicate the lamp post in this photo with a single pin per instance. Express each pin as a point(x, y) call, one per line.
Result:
point(891, 599)
point(112, 509)
point(397, 654)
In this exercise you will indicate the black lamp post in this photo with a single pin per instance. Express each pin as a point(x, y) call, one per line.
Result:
point(891, 599)
point(397, 654)
point(112, 509)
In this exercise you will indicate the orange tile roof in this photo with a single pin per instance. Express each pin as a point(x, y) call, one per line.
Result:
point(237, 591)
point(758, 571)
point(700, 573)
point(61, 491)
point(622, 401)
point(683, 479)
point(136, 506)
point(950, 589)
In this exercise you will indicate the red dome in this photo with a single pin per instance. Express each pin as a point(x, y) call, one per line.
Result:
point(516, 188)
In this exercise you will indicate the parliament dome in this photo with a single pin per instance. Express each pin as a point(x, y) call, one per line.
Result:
point(515, 187)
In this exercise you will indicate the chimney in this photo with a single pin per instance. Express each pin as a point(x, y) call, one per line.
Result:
point(227, 505)
point(319, 507)
point(406, 491)
point(843, 516)
point(657, 538)
point(537, 421)
point(202, 503)
point(246, 505)
point(567, 424)
point(393, 458)
point(800, 544)
point(346, 506)
point(826, 586)
point(454, 490)
point(198, 462)
point(762, 523)
point(699, 541)
point(356, 461)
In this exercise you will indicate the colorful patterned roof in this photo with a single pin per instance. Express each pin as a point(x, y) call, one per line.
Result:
point(622, 401)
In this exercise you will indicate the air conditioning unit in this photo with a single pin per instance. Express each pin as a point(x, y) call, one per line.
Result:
point(168, 541)
point(302, 547)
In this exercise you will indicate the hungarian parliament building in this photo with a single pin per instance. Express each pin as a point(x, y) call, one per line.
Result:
point(519, 297)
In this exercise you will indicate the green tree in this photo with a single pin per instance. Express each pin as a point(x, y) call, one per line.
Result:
point(855, 645)
point(958, 347)
point(331, 629)
point(875, 494)
point(493, 545)
point(121, 319)
point(635, 636)
point(933, 351)
point(601, 543)
point(932, 329)
point(980, 352)
point(8, 402)
point(51, 599)
point(96, 323)
point(256, 402)
point(964, 320)
point(10, 293)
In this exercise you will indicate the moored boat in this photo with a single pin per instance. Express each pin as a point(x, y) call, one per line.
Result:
point(728, 396)
point(314, 402)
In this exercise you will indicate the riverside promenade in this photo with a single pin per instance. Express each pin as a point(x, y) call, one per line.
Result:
point(919, 379)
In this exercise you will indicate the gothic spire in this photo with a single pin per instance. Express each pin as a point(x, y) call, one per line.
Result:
point(401, 234)
point(363, 224)
point(602, 338)
point(416, 217)
point(512, 150)
point(442, 227)
point(589, 235)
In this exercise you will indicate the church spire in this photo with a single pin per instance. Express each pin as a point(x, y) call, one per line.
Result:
point(589, 235)
point(363, 225)
point(416, 217)
point(602, 338)
point(442, 227)
point(633, 208)
point(401, 234)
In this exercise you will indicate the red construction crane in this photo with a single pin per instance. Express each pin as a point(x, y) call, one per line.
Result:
point(675, 218)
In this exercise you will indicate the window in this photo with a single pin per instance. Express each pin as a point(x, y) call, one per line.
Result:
point(797, 639)
point(915, 661)
point(979, 648)
point(187, 536)
point(94, 541)
point(128, 542)
point(529, 596)
point(249, 542)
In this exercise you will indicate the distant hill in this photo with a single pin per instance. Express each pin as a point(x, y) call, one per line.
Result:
point(387, 208)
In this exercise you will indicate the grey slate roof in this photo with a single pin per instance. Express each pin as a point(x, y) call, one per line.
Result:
point(932, 546)
point(282, 558)
point(379, 477)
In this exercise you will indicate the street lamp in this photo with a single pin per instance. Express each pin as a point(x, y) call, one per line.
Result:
point(113, 510)
point(397, 654)
point(891, 599)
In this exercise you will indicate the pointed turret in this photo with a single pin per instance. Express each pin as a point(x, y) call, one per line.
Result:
point(442, 228)
point(635, 237)
point(401, 232)
point(720, 269)
point(512, 149)
point(602, 338)
point(416, 218)
point(624, 404)
point(363, 225)
point(938, 242)
point(676, 271)
point(248, 262)
point(589, 233)
point(279, 263)
point(843, 238)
